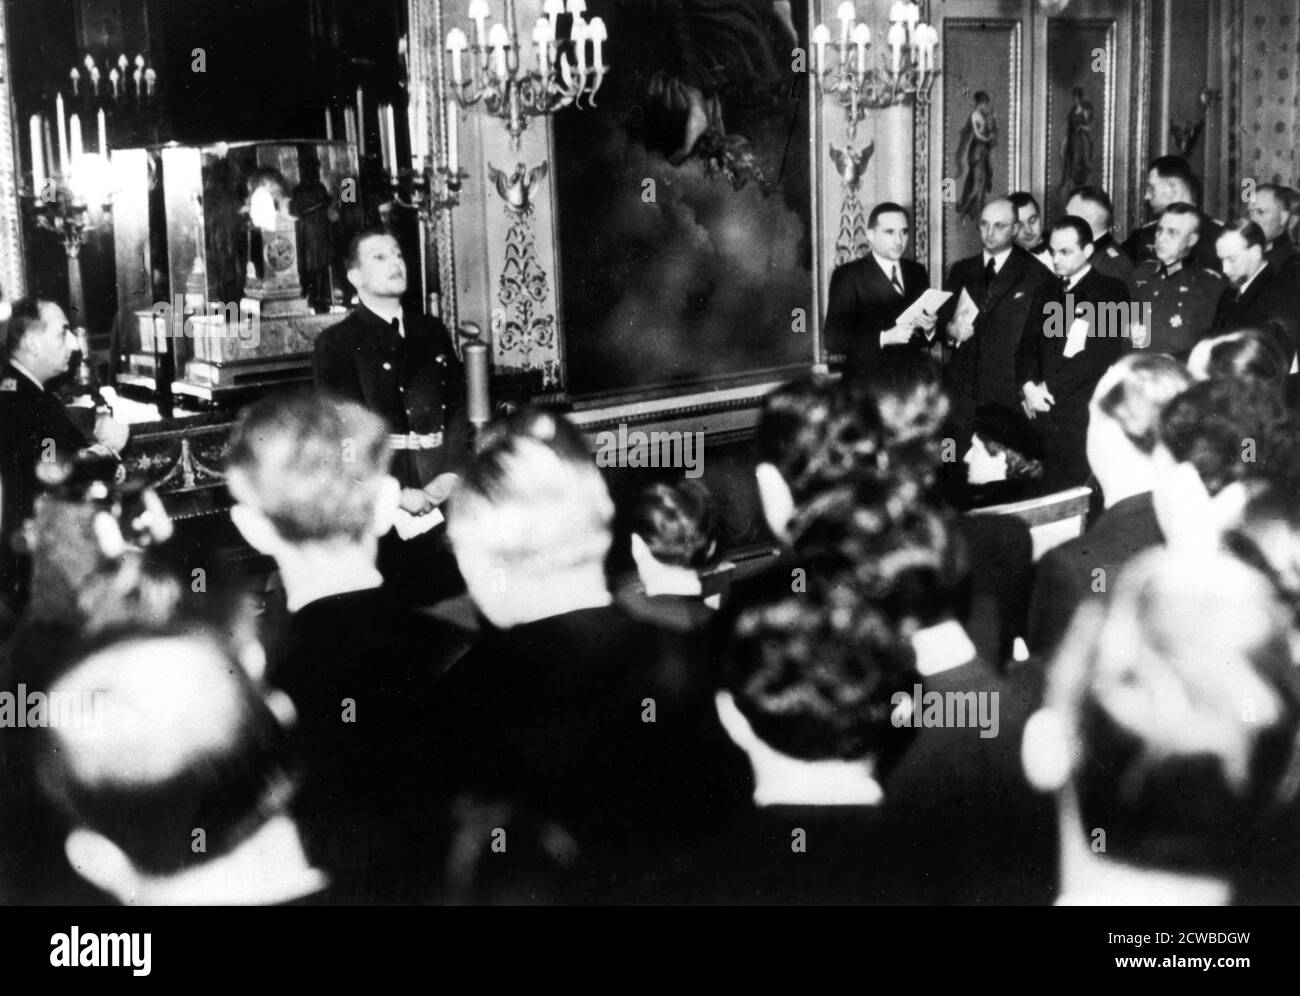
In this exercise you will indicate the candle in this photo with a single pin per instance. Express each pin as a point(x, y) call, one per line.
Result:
point(392, 138)
point(896, 12)
point(578, 34)
point(821, 37)
point(38, 155)
point(61, 131)
point(113, 77)
point(103, 133)
point(577, 8)
point(422, 126)
point(150, 78)
point(349, 127)
point(596, 30)
point(75, 76)
point(329, 126)
point(542, 38)
point(139, 90)
point(139, 62)
point(88, 62)
point(478, 402)
point(383, 138)
point(122, 63)
point(48, 145)
point(897, 36)
point(846, 14)
point(456, 44)
point(361, 124)
point(478, 13)
point(553, 9)
point(511, 25)
point(78, 150)
point(499, 42)
point(861, 39)
point(94, 81)
point(911, 14)
point(453, 157)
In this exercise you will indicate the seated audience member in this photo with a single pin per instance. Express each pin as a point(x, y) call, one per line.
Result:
point(35, 427)
point(674, 534)
point(310, 479)
point(1168, 734)
point(1249, 355)
point(1123, 429)
point(177, 781)
point(1002, 464)
point(1184, 296)
point(1261, 297)
point(909, 399)
point(569, 707)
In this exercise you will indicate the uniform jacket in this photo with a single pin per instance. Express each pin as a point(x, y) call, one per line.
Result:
point(1184, 299)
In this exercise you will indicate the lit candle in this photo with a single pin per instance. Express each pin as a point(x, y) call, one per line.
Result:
point(78, 150)
point(113, 77)
point(896, 12)
point(861, 39)
point(499, 41)
point(392, 137)
point(478, 13)
point(821, 37)
point(103, 133)
point(897, 37)
point(329, 126)
point(596, 30)
point(150, 78)
point(122, 63)
point(553, 9)
point(138, 76)
point(38, 155)
point(478, 402)
point(62, 133)
point(578, 33)
point(511, 25)
point(846, 15)
point(94, 81)
point(541, 39)
point(75, 76)
point(48, 145)
point(453, 152)
point(456, 44)
point(349, 127)
point(577, 8)
point(139, 62)
point(383, 138)
point(911, 14)
point(88, 62)
point(361, 124)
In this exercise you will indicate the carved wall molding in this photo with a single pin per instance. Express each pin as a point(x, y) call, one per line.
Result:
point(13, 277)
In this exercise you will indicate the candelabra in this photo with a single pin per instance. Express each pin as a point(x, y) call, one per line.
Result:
point(498, 79)
point(910, 69)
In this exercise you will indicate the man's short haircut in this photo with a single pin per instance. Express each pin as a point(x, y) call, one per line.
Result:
point(1177, 168)
point(1180, 787)
point(887, 207)
point(1208, 424)
point(1251, 355)
point(1136, 389)
point(1284, 195)
point(1074, 223)
point(1023, 199)
point(1095, 195)
point(172, 737)
point(1184, 210)
point(1248, 230)
point(24, 318)
point(353, 258)
point(532, 499)
point(314, 464)
point(677, 522)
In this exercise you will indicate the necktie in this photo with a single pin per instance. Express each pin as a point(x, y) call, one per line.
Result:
point(990, 272)
point(1162, 271)
point(897, 281)
point(1065, 283)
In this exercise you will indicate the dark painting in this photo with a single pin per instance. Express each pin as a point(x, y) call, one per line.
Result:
point(684, 197)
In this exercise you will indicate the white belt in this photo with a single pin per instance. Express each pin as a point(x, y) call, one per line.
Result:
point(416, 440)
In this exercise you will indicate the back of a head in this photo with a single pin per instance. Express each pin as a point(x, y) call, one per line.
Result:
point(1097, 197)
point(1250, 355)
point(23, 318)
point(677, 522)
point(1214, 424)
point(906, 389)
point(1134, 392)
point(165, 736)
point(1185, 708)
point(313, 465)
point(532, 501)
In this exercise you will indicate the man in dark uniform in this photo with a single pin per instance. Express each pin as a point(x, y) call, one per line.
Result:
point(402, 366)
point(1184, 298)
point(1071, 339)
point(1094, 206)
point(1170, 180)
point(34, 426)
point(1029, 227)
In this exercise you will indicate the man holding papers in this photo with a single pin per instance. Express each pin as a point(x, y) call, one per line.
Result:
point(992, 296)
point(1075, 331)
point(870, 298)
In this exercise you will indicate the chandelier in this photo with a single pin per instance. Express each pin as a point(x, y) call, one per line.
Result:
point(513, 88)
point(846, 68)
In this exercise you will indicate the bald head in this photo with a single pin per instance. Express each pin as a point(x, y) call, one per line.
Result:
point(998, 225)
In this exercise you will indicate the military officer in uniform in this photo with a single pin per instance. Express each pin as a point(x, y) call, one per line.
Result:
point(1094, 206)
point(1170, 180)
point(1184, 297)
point(401, 365)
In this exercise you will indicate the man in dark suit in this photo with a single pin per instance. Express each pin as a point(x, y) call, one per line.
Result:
point(1123, 427)
point(1170, 180)
point(1029, 227)
point(1076, 331)
point(402, 366)
point(1002, 282)
point(1094, 206)
point(1265, 298)
point(34, 424)
point(1273, 210)
point(868, 295)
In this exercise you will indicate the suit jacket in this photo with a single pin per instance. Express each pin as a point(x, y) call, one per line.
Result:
point(982, 370)
point(414, 381)
point(34, 426)
point(1269, 303)
point(1065, 576)
point(863, 303)
point(1041, 359)
point(1141, 244)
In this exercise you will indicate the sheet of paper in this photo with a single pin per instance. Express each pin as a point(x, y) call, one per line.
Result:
point(931, 301)
point(1076, 339)
point(409, 526)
